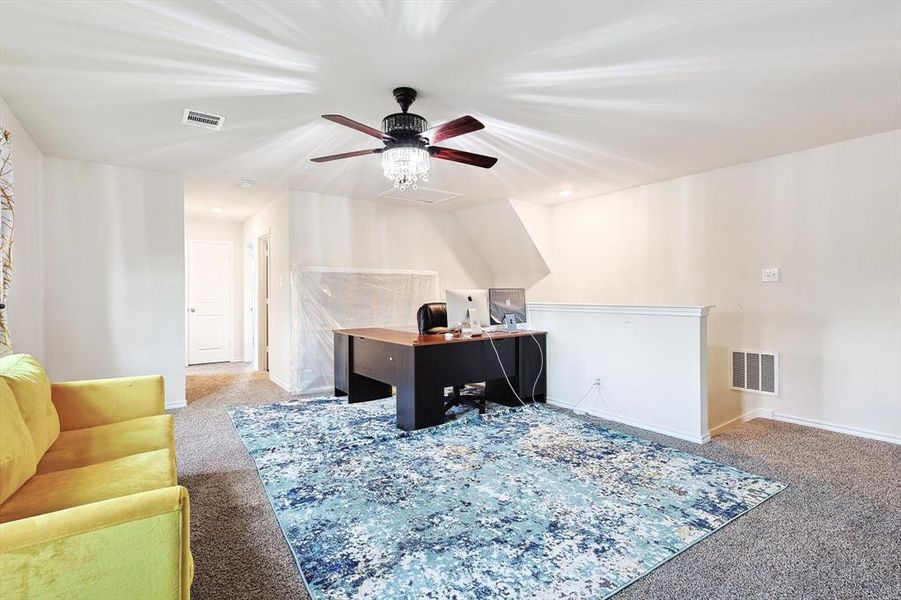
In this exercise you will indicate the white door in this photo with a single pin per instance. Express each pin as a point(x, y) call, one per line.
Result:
point(209, 301)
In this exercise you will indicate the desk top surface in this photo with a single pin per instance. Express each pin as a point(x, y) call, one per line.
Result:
point(412, 338)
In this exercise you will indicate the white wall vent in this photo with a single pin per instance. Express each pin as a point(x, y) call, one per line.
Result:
point(423, 195)
point(754, 371)
point(195, 118)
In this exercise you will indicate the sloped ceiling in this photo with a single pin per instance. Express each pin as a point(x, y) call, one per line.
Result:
point(505, 243)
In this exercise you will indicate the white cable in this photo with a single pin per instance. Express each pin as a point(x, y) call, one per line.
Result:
point(537, 377)
point(503, 370)
point(540, 365)
point(585, 395)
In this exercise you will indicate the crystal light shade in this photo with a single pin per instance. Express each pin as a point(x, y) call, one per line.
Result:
point(406, 166)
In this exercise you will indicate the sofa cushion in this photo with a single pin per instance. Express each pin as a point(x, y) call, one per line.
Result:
point(17, 460)
point(92, 445)
point(31, 388)
point(74, 487)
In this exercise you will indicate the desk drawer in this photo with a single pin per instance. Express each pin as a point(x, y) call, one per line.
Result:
point(468, 362)
point(381, 361)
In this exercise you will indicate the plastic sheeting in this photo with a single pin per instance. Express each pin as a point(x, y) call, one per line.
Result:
point(325, 299)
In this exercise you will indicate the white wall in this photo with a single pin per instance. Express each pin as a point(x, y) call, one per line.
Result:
point(274, 221)
point(226, 231)
point(332, 231)
point(25, 303)
point(641, 365)
point(114, 277)
point(536, 218)
point(829, 217)
point(507, 246)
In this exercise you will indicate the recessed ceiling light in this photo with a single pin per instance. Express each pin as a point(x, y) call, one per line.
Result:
point(566, 193)
point(246, 183)
point(218, 209)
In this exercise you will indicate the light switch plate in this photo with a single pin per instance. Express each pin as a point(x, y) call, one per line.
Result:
point(770, 275)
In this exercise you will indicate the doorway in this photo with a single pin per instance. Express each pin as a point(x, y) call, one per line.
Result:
point(209, 292)
point(263, 274)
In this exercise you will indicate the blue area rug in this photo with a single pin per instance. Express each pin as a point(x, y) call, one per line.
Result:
point(520, 503)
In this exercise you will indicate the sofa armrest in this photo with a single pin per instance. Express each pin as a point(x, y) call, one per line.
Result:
point(133, 546)
point(95, 402)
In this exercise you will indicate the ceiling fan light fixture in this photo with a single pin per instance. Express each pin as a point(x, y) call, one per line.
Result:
point(408, 144)
point(406, 166)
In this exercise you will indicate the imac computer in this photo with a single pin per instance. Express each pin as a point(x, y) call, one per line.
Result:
point(467, 306)
point(507, 306)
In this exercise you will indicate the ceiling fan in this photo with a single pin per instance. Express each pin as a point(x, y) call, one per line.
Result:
point(408, 144)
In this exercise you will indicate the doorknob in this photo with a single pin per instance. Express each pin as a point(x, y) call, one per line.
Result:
point(192, 309)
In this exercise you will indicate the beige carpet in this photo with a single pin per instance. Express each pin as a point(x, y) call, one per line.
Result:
point(834, 533)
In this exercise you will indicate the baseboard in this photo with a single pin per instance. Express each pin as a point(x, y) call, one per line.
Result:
point(864, 433)
point(238, 359)
point(280, 383)
point(766, 413)
point(631, 422)
point(177, 404)
point(757, 413)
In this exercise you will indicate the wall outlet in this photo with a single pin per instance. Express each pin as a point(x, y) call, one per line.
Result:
point(770, 275)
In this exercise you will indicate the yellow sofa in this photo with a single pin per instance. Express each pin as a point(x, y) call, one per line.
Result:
point(89, 502)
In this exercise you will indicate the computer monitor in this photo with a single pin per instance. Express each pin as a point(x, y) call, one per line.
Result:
point(507, 301)
point(459, 302)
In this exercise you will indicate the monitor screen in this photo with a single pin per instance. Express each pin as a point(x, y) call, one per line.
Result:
point(459, 302)
point(504, 301)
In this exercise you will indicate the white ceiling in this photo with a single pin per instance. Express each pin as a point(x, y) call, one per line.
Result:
point(588, 96)
point(224, 201)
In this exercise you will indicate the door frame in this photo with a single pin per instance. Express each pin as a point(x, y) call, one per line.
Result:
point(263, 301)
point(230, 303)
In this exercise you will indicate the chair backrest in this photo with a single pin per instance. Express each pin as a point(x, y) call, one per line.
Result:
point(432, 316)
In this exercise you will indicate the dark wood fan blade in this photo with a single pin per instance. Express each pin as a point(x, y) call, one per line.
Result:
point(347, 155)
point(452, 129)
point(460, 156)
point(342, 120)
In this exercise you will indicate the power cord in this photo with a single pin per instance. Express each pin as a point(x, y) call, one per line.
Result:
point(504, 371)
point(540, 365)
point(538, 376)
point(585, 395)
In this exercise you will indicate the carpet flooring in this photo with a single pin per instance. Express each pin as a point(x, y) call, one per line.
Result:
point(834, 533)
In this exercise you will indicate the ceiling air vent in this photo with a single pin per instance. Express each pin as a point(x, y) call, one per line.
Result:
point(422, 195)
point(195, 118)
point(754, 371)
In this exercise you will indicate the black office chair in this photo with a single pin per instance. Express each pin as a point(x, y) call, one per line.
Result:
point(431, 319)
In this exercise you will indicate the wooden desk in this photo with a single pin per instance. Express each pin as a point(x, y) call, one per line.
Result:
point(369, 361)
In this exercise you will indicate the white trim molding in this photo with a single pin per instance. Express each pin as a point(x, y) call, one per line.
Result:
point(688, 437)
point(177, 404)
point(621, 309)
point(757, 413)
point(766, 413)
point(864, 433)
point(280, 383)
